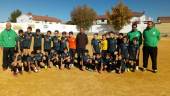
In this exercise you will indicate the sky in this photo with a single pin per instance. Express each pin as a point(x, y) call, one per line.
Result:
point(62, 8)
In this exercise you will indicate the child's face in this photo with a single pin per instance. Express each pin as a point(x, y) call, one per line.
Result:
point(104, 37)
point(98, 56)
point(56, 33)
point(29, 30)
point(48, 33)
point(135, 42)
point(65, 51)
point(124, 40)
point(38, 51)
point(70, 35)
point(63, 35)
point(120, 36)
point(95, 36)
point(112, 35)
point(107, 56)
point(107, 36)
point(20, 34)
point(46, 53)
point(38, 33)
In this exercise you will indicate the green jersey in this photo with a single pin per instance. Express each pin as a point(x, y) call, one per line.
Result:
point(151, 37)
point(8, 38)
point(135, 34)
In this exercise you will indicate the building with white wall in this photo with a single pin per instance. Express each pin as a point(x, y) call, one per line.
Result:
point(30, 18)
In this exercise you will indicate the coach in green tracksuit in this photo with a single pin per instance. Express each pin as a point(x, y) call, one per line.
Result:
point(8, 39)
point(151, 38)
point(134, 33)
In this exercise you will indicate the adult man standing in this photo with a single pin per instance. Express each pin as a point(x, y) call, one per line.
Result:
point(151, 38)
point(81, 42)
point(8, 39)
point(134, 33)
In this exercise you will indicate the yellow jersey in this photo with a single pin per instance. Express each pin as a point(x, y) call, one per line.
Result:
point(104, 45)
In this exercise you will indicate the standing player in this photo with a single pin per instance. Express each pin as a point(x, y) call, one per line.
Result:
point(95, 42)
point(47, 42)
point(72, 46)
point(28, 40)
point(37, 40)
point(135, 34)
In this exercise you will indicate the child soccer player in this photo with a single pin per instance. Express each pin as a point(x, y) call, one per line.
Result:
point(27, 40)
point(56, 41)
point(108, 63)
point(45, 59)
point(72, 46)
point(95, 42)
point(63, 42)
point(56, 60)
point(112, 45)
point(65, 59)
point(119, 39)
point(50, 58)
point(37, 40)
point(30, 63)
point(124, 55)
point(17, 64)
point(98, 61)
point(20, 41)
point(134, 53)
point(86, 61)
point(104, 46)
point(38, 60)
point(47, 42)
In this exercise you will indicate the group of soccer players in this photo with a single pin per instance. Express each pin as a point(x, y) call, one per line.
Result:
point(112, 52)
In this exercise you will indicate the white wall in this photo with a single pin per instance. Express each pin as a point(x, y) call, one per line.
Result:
point(68, 28)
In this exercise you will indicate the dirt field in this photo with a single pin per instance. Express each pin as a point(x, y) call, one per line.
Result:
point(54, 82)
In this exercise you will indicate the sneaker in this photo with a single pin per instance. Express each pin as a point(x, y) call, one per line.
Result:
point(17, 71)
point(127, 70)
point(45, 67)
point(137, 68)
point(36, 70)
point(144, 69)
point(155, 71)
point(71, 65)
point(57, 66)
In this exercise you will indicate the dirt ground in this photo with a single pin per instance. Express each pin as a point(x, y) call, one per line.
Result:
point(55, 82)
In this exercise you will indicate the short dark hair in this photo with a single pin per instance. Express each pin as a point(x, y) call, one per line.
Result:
point(125, 36)
point(38, 30)
point(20, 31)
point(111, 32)
point(56, 31)
point(29, 27)
point(49, 31)
point(71, 32)
point(121, 34)
point(64, 32)
point(135, 39)
point(134, 24)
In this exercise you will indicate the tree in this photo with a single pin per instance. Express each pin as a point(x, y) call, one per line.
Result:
point(119, 16)
point(14, 15)
point(83, 16)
